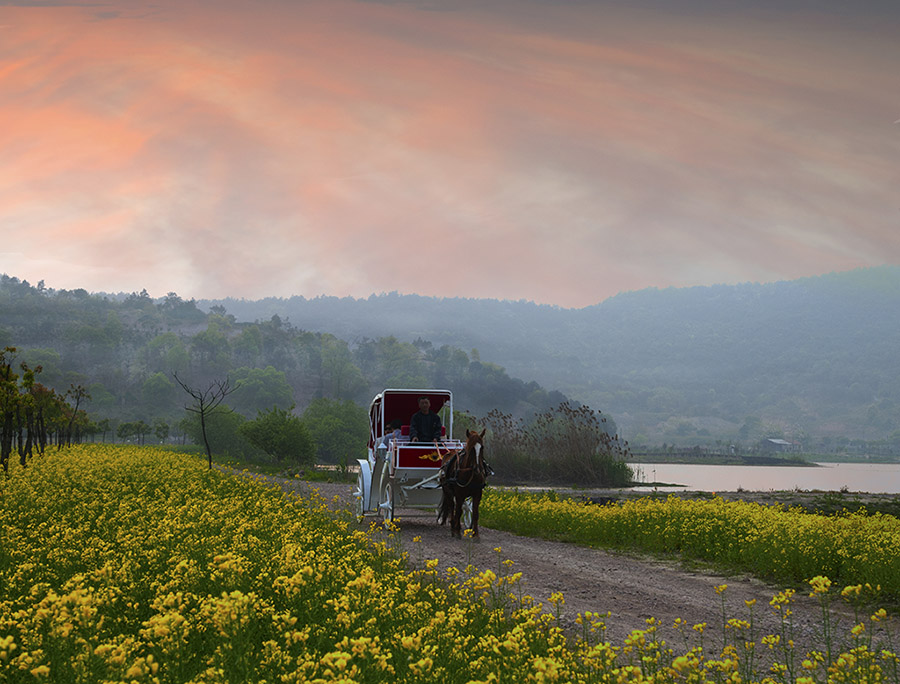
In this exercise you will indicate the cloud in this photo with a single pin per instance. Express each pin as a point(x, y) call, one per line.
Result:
point(46, 3)
point(352, 147)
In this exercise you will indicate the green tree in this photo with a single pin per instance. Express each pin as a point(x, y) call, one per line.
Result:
point(78, 394)
point(340, 430)
point(166, 353)
point(159, 393)
point(102, 400)
point(161, 430)
point(177, 311)
point(281, 435)
point(50, 363)
point(125, 431)
point(260, 388)
point(391, 363)
point(248, 346)
point(340, 376)
point(9, 404)
point(103, 427)
point(141, 430)
point(113, 330)
point(211, 350)
point(47, 407)
point(28, 404)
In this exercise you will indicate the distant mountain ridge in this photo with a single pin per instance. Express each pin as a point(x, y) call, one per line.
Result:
point(816, 355)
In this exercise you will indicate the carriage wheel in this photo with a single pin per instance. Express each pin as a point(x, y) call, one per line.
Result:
point(466, 518)
point(386, 507)
point(360, 497)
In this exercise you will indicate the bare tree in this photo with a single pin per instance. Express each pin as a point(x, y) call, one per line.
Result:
point(79, 394)
point(205, 402)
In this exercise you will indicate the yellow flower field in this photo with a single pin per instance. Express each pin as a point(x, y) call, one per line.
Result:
point(783, 545)
point(138, 564)
point(127, 564)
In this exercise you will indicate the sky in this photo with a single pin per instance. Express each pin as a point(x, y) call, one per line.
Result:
point(554, 151)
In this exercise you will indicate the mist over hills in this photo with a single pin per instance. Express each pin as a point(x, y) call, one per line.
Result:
point(810, 358)
point(813, 360)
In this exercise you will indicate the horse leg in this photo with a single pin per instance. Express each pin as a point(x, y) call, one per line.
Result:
point(455, 521)
point(476, 500)
point(446, 504)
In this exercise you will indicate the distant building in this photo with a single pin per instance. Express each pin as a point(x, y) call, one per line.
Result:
point(778, 445)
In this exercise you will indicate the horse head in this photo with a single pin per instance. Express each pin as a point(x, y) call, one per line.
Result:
point(473, 453)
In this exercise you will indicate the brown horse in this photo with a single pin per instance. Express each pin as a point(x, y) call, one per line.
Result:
point(464, 476)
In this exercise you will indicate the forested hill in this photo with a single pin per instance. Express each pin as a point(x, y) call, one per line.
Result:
point(808, 359)
point(815, 356)
point(126, 349)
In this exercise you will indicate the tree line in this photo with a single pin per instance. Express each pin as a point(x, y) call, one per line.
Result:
point(681, 365)
point(126, 349)
point(33, 416)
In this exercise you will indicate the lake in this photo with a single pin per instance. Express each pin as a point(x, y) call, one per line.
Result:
point(874, 478)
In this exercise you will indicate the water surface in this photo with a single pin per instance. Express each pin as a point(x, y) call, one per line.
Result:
point(856, 477)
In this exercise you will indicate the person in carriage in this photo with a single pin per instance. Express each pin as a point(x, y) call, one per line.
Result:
point(425, 426)
point(392, 436)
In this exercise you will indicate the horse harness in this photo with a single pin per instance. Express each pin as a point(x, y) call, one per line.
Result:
point(451, 470)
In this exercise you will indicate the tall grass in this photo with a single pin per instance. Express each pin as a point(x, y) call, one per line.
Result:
point(562, 446)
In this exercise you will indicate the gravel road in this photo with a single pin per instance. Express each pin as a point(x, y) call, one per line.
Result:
point(631, 587)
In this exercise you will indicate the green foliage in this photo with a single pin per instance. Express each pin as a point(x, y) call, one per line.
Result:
point(281, 435)
point(564, 445)
point(103, 401)
point(160, 394)
point(340, 376)
point(391, 363)
point(120, 344)
point(463, 421)
point(707, 355)
point(258, 389)
point(340, 430)
point(49, 361)
point(161, 430)
point(166, 353)
point(210, 350)
point(133, 431)
point(248, 347)
point(223, 430)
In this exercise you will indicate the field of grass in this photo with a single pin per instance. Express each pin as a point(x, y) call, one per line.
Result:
point(128, 564)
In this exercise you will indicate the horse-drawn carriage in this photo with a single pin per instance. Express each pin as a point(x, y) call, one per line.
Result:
point(400, 473)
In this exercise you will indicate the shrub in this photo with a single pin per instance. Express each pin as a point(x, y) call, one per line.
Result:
point(281, 435)
point(562, 445)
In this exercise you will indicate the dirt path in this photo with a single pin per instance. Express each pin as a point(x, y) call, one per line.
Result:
point(632, 588)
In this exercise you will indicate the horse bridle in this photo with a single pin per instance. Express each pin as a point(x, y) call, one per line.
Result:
point(475, 468)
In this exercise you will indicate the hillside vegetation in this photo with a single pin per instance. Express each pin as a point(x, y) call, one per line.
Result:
point(811, 359)
point(126, 350)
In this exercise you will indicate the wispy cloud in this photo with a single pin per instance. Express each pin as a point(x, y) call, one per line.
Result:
point(557, 153)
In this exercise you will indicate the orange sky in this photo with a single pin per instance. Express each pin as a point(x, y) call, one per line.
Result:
point(518, 149)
